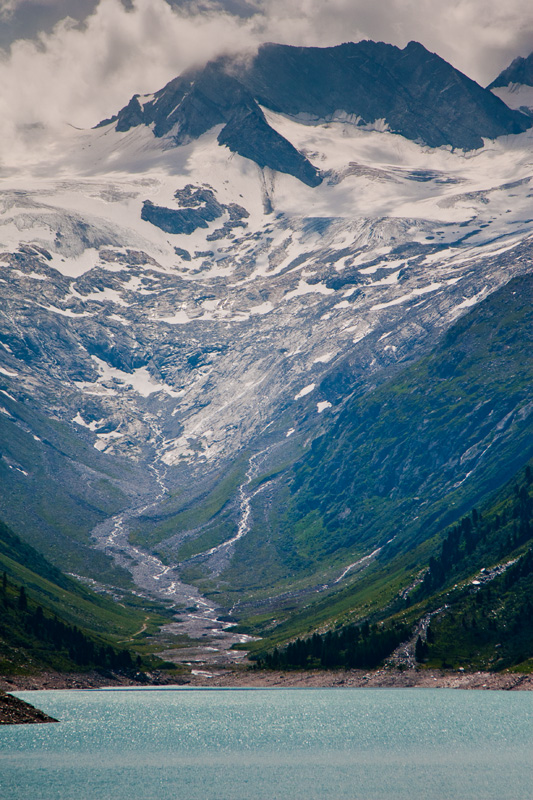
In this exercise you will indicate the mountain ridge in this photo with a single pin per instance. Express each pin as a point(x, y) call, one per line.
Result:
point(416, 94)
point(520, 71)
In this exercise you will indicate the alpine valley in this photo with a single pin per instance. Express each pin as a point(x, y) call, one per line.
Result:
point(266, 369)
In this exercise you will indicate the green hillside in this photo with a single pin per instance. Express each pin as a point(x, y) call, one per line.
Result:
point(48, 620)
point(474, 590)
point(55, 487)
point(400, 462)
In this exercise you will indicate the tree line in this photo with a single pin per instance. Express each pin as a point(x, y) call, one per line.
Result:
point(351, 647)
point(476, 533)
point(30, 625)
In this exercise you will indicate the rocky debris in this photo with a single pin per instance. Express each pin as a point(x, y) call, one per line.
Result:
point(16, 712)
point(87, 680)
point(359, 679)
point(404, 657)
point(217, 675)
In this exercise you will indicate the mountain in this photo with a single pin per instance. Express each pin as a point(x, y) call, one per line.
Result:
point(211, 355)
point(520, 71)
point(428, 444)
point(399, 462)
point(514, 85)
point(411, 92)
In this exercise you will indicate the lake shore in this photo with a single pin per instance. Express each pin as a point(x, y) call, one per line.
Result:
point(312, 679)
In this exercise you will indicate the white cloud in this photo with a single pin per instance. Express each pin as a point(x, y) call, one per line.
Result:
point(79, 74)
point(479, 37)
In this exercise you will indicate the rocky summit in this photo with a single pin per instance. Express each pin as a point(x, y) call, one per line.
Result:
point(514, 85)
point(519, 72)
point(411, 92)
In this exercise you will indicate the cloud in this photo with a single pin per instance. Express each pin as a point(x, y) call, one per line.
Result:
point(80, 73)
point(479, 37)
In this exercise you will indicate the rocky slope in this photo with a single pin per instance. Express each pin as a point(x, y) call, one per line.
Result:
point(411, 92)
point(17, 712)
point(520, 71)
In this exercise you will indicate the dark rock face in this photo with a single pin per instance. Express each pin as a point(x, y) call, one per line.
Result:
point(250, 135)
point(416, 93)
point(197, 101)
point(199, 206)
point(171, 220)
point(519, 71)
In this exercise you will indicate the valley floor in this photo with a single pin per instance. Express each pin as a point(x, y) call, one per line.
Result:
point(316, 679)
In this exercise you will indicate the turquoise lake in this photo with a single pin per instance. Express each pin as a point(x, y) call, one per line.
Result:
point(272, 744)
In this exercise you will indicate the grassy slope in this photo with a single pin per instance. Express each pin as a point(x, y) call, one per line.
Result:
point(205, 508)
point(102, 618)
point(485, 590)
point(55, 488)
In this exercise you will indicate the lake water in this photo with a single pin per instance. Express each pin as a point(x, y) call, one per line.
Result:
point(272, 744)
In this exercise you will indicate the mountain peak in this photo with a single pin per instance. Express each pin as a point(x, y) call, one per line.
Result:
point(412, 92)
point(519, 71)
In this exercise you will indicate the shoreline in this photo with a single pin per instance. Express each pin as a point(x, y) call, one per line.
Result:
point(250, 679)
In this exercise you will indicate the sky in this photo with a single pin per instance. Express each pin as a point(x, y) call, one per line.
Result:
point(75, 62)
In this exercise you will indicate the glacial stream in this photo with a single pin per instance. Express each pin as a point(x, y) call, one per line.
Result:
point(198, 617)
